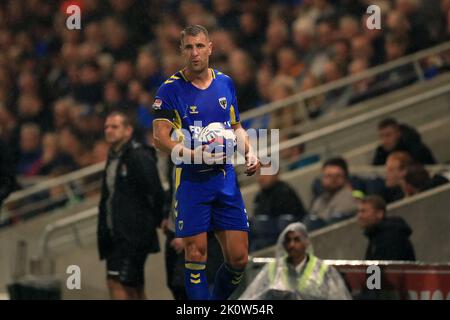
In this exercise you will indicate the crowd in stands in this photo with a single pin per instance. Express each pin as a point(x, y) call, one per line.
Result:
point(337, 193)
point(57, 85)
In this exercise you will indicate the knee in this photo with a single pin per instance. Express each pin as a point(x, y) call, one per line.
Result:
point(195, 252)
point(239, 262)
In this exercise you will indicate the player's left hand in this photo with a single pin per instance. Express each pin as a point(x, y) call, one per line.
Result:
point(252, 163)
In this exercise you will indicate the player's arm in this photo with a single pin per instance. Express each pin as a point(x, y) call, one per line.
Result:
point(162, 130)
point(252, 162)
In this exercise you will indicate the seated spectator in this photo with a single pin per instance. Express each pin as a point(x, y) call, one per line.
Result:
point(396, 166)
point(30, 150)
point(388, 236)
point(336, 200)
point(417, 179)
point(400, 137)
point(296, 274)
point(276, 198)
point(52, 157)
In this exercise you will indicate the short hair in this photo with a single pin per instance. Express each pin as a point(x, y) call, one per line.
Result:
point(388, 122)
point(417, 176)
point(403, 157)
point(376, 202)
point(125, 118)
point(194, 30)
point(338, 162)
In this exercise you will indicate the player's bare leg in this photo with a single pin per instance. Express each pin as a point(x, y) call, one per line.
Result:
point(118, 291)
point(235, 250)
point(195, 267)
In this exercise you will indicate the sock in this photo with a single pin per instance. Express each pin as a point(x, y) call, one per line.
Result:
point(226, 281)
point(196, 281)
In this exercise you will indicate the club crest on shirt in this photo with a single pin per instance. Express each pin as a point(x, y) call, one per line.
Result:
point(223, 102)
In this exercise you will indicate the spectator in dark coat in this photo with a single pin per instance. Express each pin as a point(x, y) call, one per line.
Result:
point(388, 236)
point(277, 198)
point(400, 137)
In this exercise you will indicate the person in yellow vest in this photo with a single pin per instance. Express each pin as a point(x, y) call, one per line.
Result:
point(296, 273)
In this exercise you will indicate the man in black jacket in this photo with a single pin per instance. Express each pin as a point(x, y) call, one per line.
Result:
point(400, 137)
point(276, 198)
point(130, 209)
point(388, 237)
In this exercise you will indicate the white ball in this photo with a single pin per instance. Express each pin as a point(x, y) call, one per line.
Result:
point(218, 138)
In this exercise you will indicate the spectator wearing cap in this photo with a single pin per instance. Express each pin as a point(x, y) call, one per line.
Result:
point(388, 236)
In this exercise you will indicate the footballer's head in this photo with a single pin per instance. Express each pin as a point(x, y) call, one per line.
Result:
point(196, 47)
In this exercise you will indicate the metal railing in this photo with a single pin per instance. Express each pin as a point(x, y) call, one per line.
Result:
point(37, 197)
point(70, 223)
point(69, 179)
point(341, 83)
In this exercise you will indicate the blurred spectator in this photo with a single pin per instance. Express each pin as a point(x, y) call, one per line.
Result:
point(313, 104)
point(418, 179)
point(388, 236)
point(288, 63)
point(362, 49)
point(396, 166)
point(251, 38)
point(243, 72)
point(348, 27)
point(418, 30)
point(276, 198)
point(148, 71)
point(70, 141)
point(400, 137)
point(118, 43)
point(336, 200)
point(226, 15)
point(90, 87)
point(8, 181)
point(281, 88)
point(62, 112)
point(277, 36)
point(296, 274)
point(52, 157)
point(30, 150)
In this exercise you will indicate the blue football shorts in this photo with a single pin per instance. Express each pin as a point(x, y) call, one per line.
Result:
point(207, 200)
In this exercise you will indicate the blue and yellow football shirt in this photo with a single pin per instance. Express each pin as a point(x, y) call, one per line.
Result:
point(190, 108)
